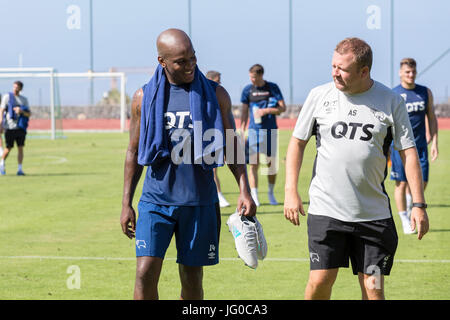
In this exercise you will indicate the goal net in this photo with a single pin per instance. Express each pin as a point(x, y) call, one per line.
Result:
point(64, 102)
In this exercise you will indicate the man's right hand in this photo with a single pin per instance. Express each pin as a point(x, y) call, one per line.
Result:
point(128, 221)
point(132, 170)
point(292, 206)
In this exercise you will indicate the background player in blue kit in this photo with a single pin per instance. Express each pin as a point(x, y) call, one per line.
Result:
point(264, 101)
point(177, 107)
point(419, 104)
point(215, 76)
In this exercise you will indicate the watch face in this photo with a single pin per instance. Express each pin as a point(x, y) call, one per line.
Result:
point(420, 205)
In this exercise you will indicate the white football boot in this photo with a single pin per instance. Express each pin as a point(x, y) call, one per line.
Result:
point(245, 238)
point(262, 243)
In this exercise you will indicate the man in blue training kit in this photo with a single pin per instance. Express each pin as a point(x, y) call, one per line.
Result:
point(419, 104)
point(264, 101)
point(178, 106)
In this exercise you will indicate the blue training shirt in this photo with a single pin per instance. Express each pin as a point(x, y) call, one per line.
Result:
point(177, 180)
point(259, 97)
point(416, 104)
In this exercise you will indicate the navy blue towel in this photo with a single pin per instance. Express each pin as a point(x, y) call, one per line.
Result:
point(205, 112)
point(11, 105)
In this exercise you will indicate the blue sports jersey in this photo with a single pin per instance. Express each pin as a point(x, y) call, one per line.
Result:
point(416, 104)
point(259, 97)
point(177, 180)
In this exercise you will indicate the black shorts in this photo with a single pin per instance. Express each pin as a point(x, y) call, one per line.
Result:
point(17, 135)
point(369, 245)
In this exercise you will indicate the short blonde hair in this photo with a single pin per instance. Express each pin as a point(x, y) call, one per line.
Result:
point(410, 62)
point(361, 50)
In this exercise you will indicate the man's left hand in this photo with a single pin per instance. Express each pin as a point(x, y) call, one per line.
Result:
point(419, 220)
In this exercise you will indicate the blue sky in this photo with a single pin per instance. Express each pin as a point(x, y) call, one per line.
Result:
point(228, 36)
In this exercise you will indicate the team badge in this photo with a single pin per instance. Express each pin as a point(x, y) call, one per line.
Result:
point(381, 116)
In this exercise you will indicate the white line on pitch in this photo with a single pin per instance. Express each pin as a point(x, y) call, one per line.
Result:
point(58, 160)
point(224, 259)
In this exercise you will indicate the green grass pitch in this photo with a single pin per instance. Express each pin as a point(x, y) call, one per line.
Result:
point(65, 213)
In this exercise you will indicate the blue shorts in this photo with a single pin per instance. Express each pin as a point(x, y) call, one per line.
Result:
point(397, 169)
point(261, 141)
point(196, 232)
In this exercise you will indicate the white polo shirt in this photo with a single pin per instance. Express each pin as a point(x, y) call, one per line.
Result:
point(353, 135)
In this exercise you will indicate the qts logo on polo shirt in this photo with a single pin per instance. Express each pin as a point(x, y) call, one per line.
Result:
point(352, 130)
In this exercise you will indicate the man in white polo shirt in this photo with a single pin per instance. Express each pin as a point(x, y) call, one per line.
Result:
point(354, 119)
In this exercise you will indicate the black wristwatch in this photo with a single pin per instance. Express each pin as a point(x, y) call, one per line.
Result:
point(420, 205)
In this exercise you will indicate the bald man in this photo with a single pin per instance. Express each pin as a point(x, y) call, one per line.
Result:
point(178, 198)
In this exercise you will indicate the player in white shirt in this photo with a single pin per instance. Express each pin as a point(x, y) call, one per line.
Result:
point(354, 119)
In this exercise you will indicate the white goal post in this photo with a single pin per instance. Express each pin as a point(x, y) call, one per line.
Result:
point(52, 74)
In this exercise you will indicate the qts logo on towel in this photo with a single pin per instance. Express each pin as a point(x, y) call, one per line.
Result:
point(352, 130)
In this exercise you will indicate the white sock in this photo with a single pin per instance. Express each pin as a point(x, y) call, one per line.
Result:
point(220, 195)
point(408, 201)
point(254, 194)
point(272, 199)
point(20, 167)
point(404, 218)
point(222, 201)
point(2, 162)
point(403, 214)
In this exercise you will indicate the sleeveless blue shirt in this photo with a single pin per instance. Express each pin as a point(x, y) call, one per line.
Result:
point(260, 97)
point(416, 104)
point(178, 181)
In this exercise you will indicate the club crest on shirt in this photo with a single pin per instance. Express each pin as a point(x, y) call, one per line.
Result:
point(381, 116)
point(330, 106)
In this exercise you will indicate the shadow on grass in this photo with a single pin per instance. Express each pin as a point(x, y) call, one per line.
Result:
point(439, 230)
point(445, 205)
point(63, 174)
